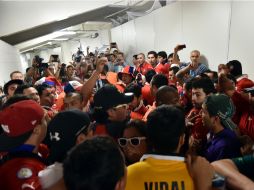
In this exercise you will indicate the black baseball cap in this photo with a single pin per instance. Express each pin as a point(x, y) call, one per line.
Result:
point(63, 130)
point(108, 97)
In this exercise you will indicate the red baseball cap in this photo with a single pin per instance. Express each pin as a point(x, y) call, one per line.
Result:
point(18, 121)
point(127, 70)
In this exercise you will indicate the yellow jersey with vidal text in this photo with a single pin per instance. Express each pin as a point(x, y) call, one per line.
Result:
point(157, 172)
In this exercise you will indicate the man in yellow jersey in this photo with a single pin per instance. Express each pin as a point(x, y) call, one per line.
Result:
point(164, 169)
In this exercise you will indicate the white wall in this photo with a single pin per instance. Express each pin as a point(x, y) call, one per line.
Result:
point(222, 31)
point(9, 61)
point(241, 41)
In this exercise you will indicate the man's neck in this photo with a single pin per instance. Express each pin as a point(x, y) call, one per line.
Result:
point(154, 64)
point(218, 129)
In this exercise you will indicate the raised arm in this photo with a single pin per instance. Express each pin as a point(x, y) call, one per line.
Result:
point(87, 88)
point(175, 53)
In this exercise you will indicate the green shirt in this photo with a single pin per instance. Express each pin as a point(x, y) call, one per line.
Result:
point(245, 165)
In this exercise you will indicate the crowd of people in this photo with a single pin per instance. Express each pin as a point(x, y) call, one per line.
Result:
point(100, 122)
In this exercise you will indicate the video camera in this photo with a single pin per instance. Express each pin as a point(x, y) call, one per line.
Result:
point(78, 55)
point(140, 79)
point(39, 64)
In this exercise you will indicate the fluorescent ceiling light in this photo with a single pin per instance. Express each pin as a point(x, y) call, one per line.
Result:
point(44, 38)
point(36, 47)
point(61, 33)
point(60, 39)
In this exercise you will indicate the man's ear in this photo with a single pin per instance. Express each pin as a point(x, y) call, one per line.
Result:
point(216, 119)
point(37, 130)
point(120, 185)
point(80, 138)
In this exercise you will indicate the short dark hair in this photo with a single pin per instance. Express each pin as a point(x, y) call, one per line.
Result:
point(159, 80)
point(40, 88)
point(149, 75)
point(21, 88)
point(165, 125)
point(163, 94)
point(152, 52)
point(188, 84)
point(120, 53)
point(135, 56)
point(138, 124)
point(70, 66)
point(28, 68)
point(163, 54)
point(174, 69)
point(235, 68)
point(206, 84)
point(96, 163)
point(172, 54)
point(215, 74)
point(135, 89)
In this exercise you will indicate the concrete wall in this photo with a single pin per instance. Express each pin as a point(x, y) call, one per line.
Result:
point(10, 60)
point(221, 30)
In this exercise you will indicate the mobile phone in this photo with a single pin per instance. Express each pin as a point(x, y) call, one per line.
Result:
point(249, 90)
point(55, 58)
point(182, 46)
point(113, 44)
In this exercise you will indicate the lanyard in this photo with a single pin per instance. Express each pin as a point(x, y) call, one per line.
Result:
point(24, 147)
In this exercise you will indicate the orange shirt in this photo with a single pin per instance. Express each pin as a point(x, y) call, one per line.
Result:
point(146, 93)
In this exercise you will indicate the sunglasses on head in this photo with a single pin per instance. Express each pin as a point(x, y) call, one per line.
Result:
point(84, 129)
point(134, 141)
point(125, 106)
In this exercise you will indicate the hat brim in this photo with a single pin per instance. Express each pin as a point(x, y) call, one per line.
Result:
point(14, 81)
point(126, 98)
point(7, 143)
point(120, 75)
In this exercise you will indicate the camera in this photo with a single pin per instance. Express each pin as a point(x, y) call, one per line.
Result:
point(78, 55)
point(38, 60)
point(182, 46)
point(113, 44)
point(44, 65)
point(249, 90)
point(139, 79)
point(55, 58)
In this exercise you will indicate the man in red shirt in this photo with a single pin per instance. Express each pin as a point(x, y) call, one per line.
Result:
point(162, 67)
point(24, 128)
point(235, 68)
point(137, 106)
point(143, 66)
point(201, 88)
point(152, 58)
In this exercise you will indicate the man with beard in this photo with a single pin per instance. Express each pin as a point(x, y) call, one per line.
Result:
point(201, 88)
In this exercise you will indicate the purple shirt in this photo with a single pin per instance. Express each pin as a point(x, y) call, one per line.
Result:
point(223, 145)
